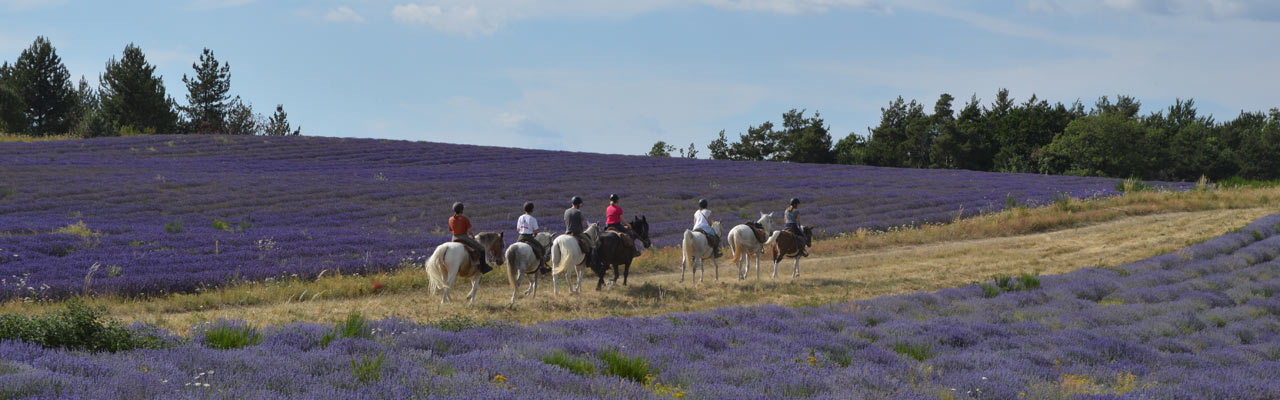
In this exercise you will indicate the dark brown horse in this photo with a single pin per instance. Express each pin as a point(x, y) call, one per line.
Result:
point(786, 244)
point(613, 251)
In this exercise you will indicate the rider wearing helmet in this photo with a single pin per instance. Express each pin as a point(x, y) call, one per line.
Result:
point(575, 225)
point(613, 219)
point(460, 227)
point(702, 223)
point(793, 223)
point(527, 227)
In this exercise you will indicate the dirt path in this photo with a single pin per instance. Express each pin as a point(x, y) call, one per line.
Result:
point(843, 277)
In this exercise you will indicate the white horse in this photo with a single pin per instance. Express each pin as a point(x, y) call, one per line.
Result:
point(743, 244)
point(566, 253)
point(695, 248)
point(452, 260)
point(521, 261)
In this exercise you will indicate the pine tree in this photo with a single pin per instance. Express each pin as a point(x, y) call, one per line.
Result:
point(241, 120)
point(42, 82)
point(133, 95)
point(278, 125)
point(12, 109)
point(207, 99)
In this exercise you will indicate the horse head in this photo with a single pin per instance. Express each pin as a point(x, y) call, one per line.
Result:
point(715, 226)
point(592, 233)
point(641, 227)
point(808, 235)
point(493, 244)
point(766, 221)
point(545, 239)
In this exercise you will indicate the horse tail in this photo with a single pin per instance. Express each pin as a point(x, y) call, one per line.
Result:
point(773, 239)
point(686, 245)
point(556, 257)
point(438, 269)
point(512, 256)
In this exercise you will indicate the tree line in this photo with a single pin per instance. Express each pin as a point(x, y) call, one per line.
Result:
point(1110, 139)
point(37, 98)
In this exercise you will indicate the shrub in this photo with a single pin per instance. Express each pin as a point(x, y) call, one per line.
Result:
point(460, 323)
point(76, 327)
point(1133, 185)
point(225, 335)
point(173, 227)
point(5, 193)
point(575, 365)
point(919, 352)
point(221, 225)
point(616, 364)
point(355, 326)
point(367, 369)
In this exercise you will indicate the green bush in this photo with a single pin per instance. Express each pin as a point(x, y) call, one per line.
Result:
point(919, 352)
point(355, 326)
point(173, 227)
point(460, 323)
point(367, 369)
point(221, 225)
point(576, 365)
point(225, 336)
point(616, 364)
point(76, 327)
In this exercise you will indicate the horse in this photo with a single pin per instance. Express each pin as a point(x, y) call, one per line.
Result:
point(695, 248)
point(746, 241)
point(786, 244)
point(566, 253)
point(521, 262)
point(612, 251)
point(452, 260)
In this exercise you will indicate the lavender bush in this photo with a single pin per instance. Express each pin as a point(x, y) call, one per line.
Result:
point(1200, 323)
point(178, 213)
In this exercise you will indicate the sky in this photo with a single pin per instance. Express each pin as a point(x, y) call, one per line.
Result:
point(617, 76)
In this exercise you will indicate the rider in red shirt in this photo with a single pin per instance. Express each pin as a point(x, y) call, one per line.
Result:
point(613, 219)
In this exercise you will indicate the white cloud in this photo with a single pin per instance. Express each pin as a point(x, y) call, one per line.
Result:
point(343, 14)
point(488, 16)
point(1264, 10)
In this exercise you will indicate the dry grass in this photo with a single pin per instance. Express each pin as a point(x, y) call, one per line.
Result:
point(15, 138)
point(1048, 240)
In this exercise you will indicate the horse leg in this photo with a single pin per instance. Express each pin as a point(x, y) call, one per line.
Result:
point(533, 285)
point(615, 275)
point(475, 286)
point(796, 273)
point(758, 255)
point(775, 266)
point(684, 261)
point(716, 263)
point(515, 288)
point(626, 271)
point(555, 284)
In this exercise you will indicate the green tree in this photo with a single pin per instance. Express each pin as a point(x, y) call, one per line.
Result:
point(1257, 153)
point(133, 95)
point(40, 79)
point(12, 110)
point(803, 140)
point(661, 149)
point(851, 150)
point(241, 120)
point(278, 125)
point(207, 98)
point(719, 148)
point(758, 144)
point(1100, 145)
point(692, 152)
point(1188, 145)
point(892, 143)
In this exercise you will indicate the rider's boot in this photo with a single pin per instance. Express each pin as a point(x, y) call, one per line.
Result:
point(484, 267)
point(715, 252)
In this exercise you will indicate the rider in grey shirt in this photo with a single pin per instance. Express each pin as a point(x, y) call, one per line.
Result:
point(574, 225)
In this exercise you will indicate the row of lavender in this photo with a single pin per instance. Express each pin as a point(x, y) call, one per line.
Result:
point(1200, 323)
point(177, 213)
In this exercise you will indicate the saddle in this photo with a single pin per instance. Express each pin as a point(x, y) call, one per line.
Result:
point(621, 235)
point(582, 243)
point(476, 256)
point(758, 229)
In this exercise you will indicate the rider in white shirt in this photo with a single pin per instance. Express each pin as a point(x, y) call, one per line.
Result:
point(527, 227)
point(702, 223)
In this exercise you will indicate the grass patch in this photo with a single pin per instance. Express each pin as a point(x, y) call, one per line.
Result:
point(367, 369)
point(459, 323)
point(221, 225)
point(6, 193)
point(1133, 185)
point(918, 352)
point(173, 227)
point(1237, 182)
point(576, 365)
point(632, 369)
point(77, 229)
point(225, 336)
point(355, 326)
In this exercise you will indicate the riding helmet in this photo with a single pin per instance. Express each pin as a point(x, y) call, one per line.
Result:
point(457, 207)
point(613, 198)
point(576, 200)
point(702, 203)
point(528, 206)
point(795, 201)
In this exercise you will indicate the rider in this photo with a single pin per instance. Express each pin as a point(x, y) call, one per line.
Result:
point(460, 226)
point(527, 227)
point(613, 219)
point(793, 224)
point(702, 223)
point(574, 225)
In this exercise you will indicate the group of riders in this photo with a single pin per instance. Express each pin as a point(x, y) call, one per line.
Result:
point(527, 227)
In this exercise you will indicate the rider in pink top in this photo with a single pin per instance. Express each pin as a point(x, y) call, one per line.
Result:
point(613, 219)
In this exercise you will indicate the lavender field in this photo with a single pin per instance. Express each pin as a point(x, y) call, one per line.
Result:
point(1199, 323)
point(163, 214)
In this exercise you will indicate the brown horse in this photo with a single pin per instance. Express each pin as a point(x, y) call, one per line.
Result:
point(786, 244)
point(453, 260)
point(612, 251)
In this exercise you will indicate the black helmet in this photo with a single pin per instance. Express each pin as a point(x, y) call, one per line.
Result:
point(795, 201)
point(613, 198)
point(457, 207)
point(702, 203)
point(528, 206)
point(576, 200)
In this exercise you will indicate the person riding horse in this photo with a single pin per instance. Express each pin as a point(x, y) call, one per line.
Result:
point(575, 225)
point(791, 218)
point(527, 227)
point(702, 223)
point(460, 227)
point(613, 220)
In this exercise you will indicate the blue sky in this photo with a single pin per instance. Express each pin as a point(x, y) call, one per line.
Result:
point(616, 76)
